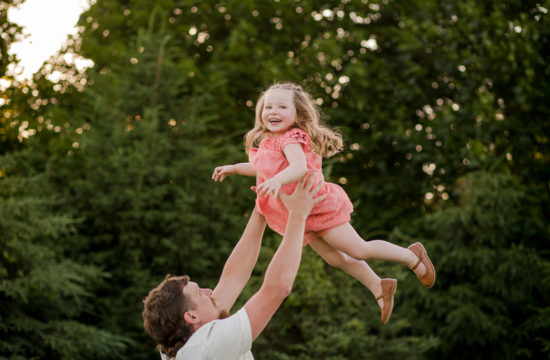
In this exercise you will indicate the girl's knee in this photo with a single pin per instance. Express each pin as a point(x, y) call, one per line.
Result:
point(340, 260)
point(335, 259)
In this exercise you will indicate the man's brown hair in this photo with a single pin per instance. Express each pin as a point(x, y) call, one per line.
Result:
point(163, 312)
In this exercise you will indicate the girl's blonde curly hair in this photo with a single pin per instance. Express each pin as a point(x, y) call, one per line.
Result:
point(326, 141)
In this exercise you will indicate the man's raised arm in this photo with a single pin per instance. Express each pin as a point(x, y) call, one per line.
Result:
point(282, 269)
point(238, 267)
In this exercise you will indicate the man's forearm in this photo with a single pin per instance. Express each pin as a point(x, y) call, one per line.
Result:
point(245, 254)
point(282, 269)
point(284, 266)
point(239, 265)
point(279, 276)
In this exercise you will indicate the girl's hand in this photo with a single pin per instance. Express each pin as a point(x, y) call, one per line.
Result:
point(221, 172)
point(270, 186)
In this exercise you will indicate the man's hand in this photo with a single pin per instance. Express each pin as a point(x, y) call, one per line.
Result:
point(221, 172)
point(303, 198)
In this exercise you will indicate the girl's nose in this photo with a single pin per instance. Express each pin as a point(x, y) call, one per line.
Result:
point(208, 291)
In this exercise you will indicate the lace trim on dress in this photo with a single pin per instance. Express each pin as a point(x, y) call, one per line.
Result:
point(293, 136)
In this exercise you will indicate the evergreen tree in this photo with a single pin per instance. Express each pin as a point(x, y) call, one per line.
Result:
point(43, 295)
point(10, 33)
point(490, 301)
point(139, 177)
point(443, 106)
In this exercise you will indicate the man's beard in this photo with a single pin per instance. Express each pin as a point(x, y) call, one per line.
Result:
point(223, 313)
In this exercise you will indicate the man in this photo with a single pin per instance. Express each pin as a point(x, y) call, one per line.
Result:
point(189, 322)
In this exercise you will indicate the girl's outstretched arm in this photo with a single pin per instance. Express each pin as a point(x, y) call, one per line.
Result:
point(296, 169)
point(221, 172)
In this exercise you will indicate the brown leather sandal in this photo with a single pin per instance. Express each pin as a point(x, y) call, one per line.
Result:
point(388, 290)
point(428, 280)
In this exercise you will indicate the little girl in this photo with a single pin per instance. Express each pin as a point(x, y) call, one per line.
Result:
point(291, 142)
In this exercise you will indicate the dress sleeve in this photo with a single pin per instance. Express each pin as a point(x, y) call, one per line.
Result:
point(252, 156)
point(296, 136)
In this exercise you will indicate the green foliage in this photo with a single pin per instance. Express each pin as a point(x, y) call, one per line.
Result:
point(444, 110)
point(43, 295)
point(10, 33)
point(138, 179)
point(331, 316)
point(491, 284)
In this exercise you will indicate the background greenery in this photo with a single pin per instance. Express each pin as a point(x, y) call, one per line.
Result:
point(105, 173)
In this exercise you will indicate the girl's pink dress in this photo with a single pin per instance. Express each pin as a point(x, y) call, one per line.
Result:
point(268, 160)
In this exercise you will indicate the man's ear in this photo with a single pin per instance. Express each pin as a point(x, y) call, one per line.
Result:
point(190, 317)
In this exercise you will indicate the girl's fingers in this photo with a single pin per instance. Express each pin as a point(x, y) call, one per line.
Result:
point(217, 173)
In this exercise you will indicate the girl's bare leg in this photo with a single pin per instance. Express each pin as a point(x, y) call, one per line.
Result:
point(345, 238)
point(357, 269)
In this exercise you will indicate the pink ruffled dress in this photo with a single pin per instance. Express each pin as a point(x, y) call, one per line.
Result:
point(268, 160)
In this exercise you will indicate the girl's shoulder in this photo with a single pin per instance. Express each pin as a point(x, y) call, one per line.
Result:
point(296, 136)
point(296, 133)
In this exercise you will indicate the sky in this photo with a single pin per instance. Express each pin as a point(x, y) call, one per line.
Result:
point(47, 23)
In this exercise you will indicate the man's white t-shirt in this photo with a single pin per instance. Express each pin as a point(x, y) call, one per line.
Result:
point(225, 339)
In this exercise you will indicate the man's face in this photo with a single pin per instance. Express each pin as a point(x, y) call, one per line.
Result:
point(205, 308)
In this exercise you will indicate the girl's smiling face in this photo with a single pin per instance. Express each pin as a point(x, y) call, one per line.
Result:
point(279, 112)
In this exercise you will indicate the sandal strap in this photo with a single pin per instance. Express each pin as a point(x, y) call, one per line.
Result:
point(417, 263)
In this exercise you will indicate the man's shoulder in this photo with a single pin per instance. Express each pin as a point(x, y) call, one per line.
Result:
point(237, 320)
point(219, 338)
